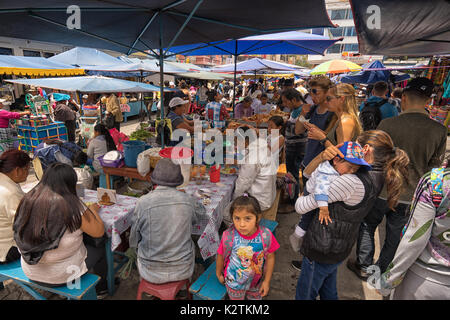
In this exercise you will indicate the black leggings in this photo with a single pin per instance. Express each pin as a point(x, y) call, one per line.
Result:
point(13, 255)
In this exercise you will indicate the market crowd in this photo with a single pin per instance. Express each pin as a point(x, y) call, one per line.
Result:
point(348, 166)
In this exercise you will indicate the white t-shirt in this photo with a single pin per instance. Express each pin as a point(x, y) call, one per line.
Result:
point(263, 108)
point(57, 266)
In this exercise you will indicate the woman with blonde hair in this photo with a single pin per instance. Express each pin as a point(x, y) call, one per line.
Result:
point(341, 100)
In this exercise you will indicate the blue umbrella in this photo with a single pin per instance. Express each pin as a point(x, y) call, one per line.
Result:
point(90, 84)
point(255, 64)
point(291, 42)
point(368, 76)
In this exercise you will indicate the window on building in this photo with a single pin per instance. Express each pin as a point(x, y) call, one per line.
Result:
point(48, 54)
point(350, 32)
point(351, 47)
point(31, 53)
point(6, 51)
point(338, 14)
point(349, 14)
point(337, 32)
point(335, 48)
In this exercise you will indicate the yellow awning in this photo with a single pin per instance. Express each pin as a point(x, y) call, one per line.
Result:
point(40, 72)
point(270, 75)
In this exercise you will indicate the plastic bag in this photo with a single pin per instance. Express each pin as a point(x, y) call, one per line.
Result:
point(85, 177)
point(87, 130)
point(143, 162)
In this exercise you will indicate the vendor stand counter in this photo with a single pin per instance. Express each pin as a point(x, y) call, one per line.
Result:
point(135, 108)
point(126, 172)
point(219, 196)
point(32, 136)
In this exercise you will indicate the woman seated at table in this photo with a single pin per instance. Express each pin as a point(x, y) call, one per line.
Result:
point(162, 227)
point(257, 174)
point(100, 145)
point(48, 229)
point(14, 167)
point(178, 107)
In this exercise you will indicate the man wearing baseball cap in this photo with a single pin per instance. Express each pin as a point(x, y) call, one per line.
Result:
point(424, 140)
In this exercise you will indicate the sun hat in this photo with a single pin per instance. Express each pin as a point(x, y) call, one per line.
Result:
point(167, 173)
point(176, 102)
point(353, 153)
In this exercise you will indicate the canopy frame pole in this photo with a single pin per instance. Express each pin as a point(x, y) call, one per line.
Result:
point(154, 55)
point(173, 4)
point(219, 22)
point(143, 31)
point(183, 26)
point(208, 44)
point(141, 78)
point(161, 76)
point(234, 74)
point(31, 14)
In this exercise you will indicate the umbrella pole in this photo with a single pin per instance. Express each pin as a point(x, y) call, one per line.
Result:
point(142, 97)
point(234, 83)
point(161, 76)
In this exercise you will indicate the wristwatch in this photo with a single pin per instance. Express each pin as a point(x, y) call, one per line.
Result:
point(322, 142)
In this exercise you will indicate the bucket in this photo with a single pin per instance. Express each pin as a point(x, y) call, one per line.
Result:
point(214, 173)
point(131, 149)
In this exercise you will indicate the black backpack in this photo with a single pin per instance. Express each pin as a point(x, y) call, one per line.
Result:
point(370, 114)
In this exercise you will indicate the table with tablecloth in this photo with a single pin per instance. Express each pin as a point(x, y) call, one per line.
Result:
point(116, 217)
point(208, 228)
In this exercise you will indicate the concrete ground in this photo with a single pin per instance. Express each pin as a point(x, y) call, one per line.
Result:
point(284, 278)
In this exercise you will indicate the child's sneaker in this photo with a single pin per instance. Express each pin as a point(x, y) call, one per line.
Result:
point(295, 241)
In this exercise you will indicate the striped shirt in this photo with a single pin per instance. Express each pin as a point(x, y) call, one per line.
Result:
point(347, 188)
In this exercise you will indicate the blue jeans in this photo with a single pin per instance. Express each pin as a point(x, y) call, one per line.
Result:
point(317, 279)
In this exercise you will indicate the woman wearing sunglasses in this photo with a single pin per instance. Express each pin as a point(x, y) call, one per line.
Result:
point(341, 100)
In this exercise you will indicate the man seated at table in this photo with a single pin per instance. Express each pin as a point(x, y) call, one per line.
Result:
point(244, 108)
point(257, 175)
point(162, 227)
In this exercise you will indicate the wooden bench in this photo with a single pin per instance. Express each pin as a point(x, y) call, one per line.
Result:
point(86, 291)
point(207, 286)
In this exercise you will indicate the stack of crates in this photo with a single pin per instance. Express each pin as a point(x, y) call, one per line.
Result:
point(31, 137)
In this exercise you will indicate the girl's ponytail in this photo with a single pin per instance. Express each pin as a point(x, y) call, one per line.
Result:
point(393, 160)
point(396, 176)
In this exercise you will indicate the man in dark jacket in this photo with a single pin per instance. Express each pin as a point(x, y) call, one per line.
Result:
point(65, 114)
point(424, 141)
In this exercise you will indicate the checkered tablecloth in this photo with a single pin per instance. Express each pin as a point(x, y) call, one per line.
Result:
point(208, 228)
point(117, 217)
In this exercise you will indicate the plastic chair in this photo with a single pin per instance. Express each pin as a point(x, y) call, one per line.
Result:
point(163, 291)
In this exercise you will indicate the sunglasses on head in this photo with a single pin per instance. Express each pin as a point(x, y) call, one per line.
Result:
point(329, 98)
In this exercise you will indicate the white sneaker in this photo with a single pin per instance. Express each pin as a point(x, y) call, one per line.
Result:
point(295, 241)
